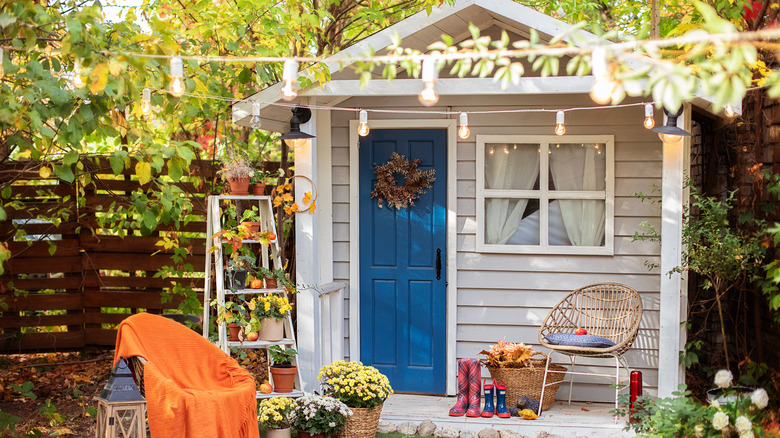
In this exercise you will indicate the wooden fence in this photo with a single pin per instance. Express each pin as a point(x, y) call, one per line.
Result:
point(74, 297)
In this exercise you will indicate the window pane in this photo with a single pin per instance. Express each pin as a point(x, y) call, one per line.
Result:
point(577, 222)
point(578, 166)
point(512, 221)
point(511, 166)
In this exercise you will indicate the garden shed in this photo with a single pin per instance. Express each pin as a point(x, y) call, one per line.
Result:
point(496, 241)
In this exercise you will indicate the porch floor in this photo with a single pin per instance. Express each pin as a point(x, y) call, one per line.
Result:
point(591, 420)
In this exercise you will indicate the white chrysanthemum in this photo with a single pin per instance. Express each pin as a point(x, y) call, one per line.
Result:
point(743, 424)
point(715, 404)
point(698, 431)
point(720, 420)
point(760, 398)
point(747, 434)
point(723, 378)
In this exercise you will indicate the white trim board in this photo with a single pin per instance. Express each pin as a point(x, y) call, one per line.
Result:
point(354, 235)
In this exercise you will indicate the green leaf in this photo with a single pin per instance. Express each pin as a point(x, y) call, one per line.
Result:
point(70, 158)
point(143, 171)
point(150, 221)
point(175, 170)
point(117, 162)
point(64, 172)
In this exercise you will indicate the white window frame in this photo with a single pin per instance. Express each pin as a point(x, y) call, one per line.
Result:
point(545, 195)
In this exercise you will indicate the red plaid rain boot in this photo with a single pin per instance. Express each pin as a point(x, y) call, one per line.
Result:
point(463, 389)
point(475, 388)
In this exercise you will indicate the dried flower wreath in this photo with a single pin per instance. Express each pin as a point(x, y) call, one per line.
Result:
point(416, 184)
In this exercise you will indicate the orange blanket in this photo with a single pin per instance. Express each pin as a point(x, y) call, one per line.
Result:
point(192, 388)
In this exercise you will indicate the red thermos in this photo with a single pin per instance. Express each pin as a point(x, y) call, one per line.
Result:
point(636, 390)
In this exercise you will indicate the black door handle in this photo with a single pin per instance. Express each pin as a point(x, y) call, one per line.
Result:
point(438, 263)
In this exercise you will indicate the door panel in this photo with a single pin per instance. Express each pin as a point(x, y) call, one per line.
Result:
point(402, 303)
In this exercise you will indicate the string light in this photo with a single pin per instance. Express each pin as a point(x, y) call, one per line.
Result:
point(255, 120)
point(428, 96)
point(603, 86)
point(363, 128)
point(2, 70)
point(649, 118)
point(78, 81)
point(289, 75)
point(730, 113)
point(560, 129)
point(146, 102)
point(177, 74)
point(464, 131)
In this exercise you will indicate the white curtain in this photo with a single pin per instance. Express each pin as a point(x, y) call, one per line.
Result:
point(576, 167)
point(508, 168)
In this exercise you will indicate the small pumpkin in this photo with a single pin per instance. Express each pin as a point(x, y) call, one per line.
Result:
point(528, 414)
point(256, 284)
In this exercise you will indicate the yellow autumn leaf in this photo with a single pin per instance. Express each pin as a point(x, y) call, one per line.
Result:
point(280, 188)
point(287, 210)
point(98, 78)
point(277, 201)
point(115, 68)
point(312, 207)
point(45, 172)
point(307, 197)
point(287, 197)
point(288, 186)
point(294, 207)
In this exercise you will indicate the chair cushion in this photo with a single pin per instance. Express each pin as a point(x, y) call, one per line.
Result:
point(579, 340)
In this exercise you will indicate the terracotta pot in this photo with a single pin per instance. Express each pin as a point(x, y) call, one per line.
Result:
point(304, 434)
point(258, 189)
point(234, 332)
point(284, 378)
point(277, 433)
point(270, 283)
point(271, 329)
point(239, 185)
point(253, 227)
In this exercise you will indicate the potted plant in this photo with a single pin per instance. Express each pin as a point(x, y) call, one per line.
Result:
point(271, 309)
point(259, 181)
point(276, 278)
point(282, 369)
point(274, 414)
point(234, 315)
point(315, 416)
point(237, 171)
point(362, 388)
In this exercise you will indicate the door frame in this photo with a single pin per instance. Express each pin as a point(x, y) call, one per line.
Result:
point(451, 223)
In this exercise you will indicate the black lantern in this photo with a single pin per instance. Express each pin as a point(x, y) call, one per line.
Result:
point(300, 114)
point(121, 407)
point(670, 133)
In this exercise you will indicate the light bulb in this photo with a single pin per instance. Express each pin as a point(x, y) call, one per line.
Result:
point(289, 75)
point(78, 81)
point(670, 138)
point(491, 151)
point(428, 96)
point(146, 102)
point(602, 90)
point(649, 119)
point(2, 70)
point(730, 110)
point(177, 73)
point(363, 128)
point(255, 120)
point(560, 129)
point(463, 131)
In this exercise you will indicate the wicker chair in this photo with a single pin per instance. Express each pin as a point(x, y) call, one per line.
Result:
point(609, 310)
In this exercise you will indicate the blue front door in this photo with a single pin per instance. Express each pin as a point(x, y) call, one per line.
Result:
point(402, 266)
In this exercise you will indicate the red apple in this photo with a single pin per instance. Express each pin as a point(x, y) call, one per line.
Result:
point(266, 388)
point(581, 331)
point(252, 336)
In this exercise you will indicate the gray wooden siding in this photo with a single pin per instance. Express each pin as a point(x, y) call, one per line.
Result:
point(508, 295)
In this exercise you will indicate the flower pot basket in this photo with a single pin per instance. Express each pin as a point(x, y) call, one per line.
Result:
point(528, 381)
point(277, 433)
point(258, 189)
point(362, 424)
point(239, 186)
point(234, 332)
point(271, 329)
point(284, 378)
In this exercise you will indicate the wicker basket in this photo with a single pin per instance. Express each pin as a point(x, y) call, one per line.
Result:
point(528, 381)
point(362, 424)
